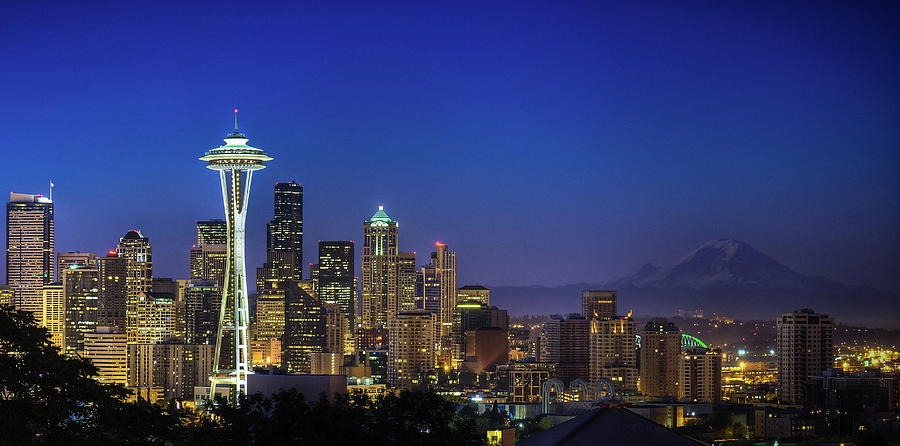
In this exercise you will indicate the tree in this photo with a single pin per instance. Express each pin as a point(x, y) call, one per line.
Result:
point(49, 398)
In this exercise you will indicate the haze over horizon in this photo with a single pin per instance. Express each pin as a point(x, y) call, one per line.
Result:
point(546, 144)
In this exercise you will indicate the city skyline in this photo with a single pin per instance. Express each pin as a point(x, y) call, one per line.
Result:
point(785, 142)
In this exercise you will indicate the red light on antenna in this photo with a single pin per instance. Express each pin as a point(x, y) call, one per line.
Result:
point(235, 110)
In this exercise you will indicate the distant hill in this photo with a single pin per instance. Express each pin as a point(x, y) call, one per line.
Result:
point(722, 276)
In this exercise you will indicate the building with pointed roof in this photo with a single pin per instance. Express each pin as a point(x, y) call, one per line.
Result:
point(379, 270)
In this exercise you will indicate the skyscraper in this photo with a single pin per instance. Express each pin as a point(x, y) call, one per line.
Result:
point(598, 304)
point(428, 291)
point(304, 328)
point(29, 249)
point(240, 160)
point(614, 352)
point(379, 270)
point(202, 303)
point(411, 349)
point(566, 341)
point(805, 347)
point(406, 281)
point(53, 313)
point(113, 271)
point(284, 236)
point(700, 378)
point(81, 285)
point(660, 359)
point(154, 319)
point(212, 232)
point(136, 250)
point(444, 260)
point(335, 277)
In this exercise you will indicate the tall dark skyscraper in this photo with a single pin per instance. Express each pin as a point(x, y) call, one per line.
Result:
point(304, 328)
point(212, 232)
point(335, 276)
point(284, 235)
point(29, 249)
point(113, 291)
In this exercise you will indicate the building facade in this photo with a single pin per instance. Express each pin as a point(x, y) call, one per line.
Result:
point(805, 347)
point(82, 288)
point(111, 307)
point(334, 278)
point(136, 250)
point(304, 328)
point(613, 352)
point(470, 293)
point(701, 376)
point(379, 270)
point(107, 350)
point(411, 353)
point(660, 359)
point(29, 249)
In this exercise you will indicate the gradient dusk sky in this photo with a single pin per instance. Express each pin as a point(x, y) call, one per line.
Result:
point(546, 142)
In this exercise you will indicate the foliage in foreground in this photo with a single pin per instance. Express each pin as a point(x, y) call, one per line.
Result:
point(49, 398)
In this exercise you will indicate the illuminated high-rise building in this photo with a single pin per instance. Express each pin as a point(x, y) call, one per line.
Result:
point(411, 354)
point(7, 295)
point(232, 361)
point(805, 347)
point(106, 348)
point(428, 291)
point(379, 270)
point(406, 281)
point(336, 328)
point(304, 328)
point(66, 259)
point(598, 304)
point(269, 326)
point(444, 260)
point(284, 236)
point(471, 293)
point(700, 379)
point(660, 359)
point(202, 303)
point(212, 232)
point(154, 319)
point(613, 353)
point(29, 249)
point(335, 277)
point(175, 368)
point(53, 313)
point(82, 288)
point(111, 304)
point(136, 250)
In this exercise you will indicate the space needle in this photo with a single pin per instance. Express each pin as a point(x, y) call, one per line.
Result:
point(235, 161)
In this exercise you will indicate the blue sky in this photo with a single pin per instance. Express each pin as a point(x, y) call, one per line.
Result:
point(546, 142)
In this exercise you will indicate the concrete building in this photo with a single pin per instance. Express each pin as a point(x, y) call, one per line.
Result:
point(411, 352)
point(29, 249)
point(701, 376)
point(805, 347)
point(154, 319)
point(176, 368)
point(107, 350)
point(660, 359)
point(613, 352)
point(53, 313)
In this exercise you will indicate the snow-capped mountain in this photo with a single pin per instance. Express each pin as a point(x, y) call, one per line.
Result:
point(725, 276)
